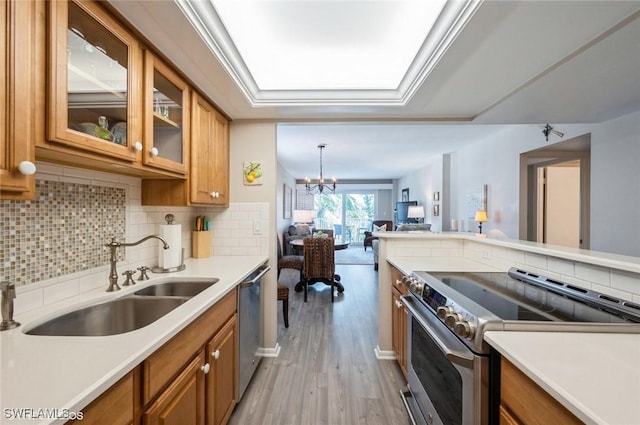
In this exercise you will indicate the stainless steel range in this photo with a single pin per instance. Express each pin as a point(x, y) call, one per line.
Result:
point(448, 314)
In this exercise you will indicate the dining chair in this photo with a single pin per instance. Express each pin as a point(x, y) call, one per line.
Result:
point(283, 295)
point(295, 262)
point(319, 264)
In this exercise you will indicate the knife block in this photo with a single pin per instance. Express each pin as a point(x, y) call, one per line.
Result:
point(201, 244)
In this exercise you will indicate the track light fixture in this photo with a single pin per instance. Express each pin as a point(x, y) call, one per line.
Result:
point(547, 129)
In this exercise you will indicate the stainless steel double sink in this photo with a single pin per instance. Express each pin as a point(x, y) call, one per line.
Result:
point(124, 314)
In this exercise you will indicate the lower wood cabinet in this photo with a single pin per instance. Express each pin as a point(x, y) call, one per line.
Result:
point(204, 385)
point(116, 406)
point(190, 380)
point(221, 379)
point(523, 402)
point(183, 402)
point(398, 320)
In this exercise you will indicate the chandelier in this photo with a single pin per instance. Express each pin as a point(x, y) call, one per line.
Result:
point(320, 186)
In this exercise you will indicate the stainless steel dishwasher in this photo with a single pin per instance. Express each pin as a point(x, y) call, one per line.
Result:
point(249, 327)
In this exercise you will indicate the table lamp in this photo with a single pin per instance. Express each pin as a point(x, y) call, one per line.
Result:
point(416, 212)
point(303, 216)
point(481, 217)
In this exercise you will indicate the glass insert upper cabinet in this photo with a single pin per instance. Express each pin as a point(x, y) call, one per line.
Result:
point(166, 124)
point(95, 82)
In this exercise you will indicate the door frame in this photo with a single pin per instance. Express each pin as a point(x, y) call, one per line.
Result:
point(530, 162)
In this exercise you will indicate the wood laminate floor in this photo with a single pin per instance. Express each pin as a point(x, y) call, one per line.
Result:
point(327, 372)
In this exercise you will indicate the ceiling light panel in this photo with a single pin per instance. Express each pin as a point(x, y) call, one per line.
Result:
point(328, 45)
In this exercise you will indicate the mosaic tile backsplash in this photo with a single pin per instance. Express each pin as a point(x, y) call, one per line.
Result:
point(61, 232)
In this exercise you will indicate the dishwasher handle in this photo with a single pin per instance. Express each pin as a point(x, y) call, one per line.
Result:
point(249, 283)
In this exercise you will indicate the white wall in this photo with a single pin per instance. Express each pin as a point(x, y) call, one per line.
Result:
point(615, 186)
point(283, 177)
point(256, 141)
point(615, 179)
point(384, 205)
point(496, 163)
point(422, 184)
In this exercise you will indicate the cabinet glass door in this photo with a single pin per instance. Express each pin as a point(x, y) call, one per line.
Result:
point(166, 124)
point(94, 74)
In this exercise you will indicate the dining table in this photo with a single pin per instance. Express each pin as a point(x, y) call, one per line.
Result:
point(297, 246)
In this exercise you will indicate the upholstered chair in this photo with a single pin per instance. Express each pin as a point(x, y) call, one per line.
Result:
point(294, 232)
point(377, 225)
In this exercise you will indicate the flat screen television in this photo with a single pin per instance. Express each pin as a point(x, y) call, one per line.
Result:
point(402, 209)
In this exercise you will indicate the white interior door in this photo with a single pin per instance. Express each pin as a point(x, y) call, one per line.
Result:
point(559, 209)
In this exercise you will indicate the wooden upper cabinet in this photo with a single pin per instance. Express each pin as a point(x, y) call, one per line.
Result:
point(207, 182)
point(95, 82)
point(209, 175)
point(21, 93)
point(166, 117)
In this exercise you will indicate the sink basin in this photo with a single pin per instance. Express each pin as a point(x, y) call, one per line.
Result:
point(109, 318)
point(177, 288)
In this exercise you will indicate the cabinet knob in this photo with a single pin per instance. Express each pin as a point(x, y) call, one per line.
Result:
point(154, 151)
point(216, 354)
point(137, 146)
point(205, 368)
point(27, 168)
point(215, 194)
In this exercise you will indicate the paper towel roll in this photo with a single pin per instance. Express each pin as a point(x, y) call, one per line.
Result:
point(172, 257)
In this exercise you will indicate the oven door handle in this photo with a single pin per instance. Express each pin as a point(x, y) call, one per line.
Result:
point(462, 358)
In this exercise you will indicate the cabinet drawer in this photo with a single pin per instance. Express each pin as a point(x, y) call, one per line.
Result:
point(396, 281)
point(528, 402)
point(165, 363)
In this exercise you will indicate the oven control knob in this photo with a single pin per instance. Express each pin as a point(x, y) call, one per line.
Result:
point(464, 329)
point(406, 280)
point(443, 310)
point(416, 286)
point(452, 318)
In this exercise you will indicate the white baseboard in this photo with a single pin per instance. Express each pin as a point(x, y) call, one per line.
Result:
point(384, 355)
point(269, 352)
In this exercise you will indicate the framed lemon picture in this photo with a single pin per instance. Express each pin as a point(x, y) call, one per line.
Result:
point(252, 173)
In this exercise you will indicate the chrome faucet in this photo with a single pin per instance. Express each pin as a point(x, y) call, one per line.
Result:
point(113, 246)
point(8, 291)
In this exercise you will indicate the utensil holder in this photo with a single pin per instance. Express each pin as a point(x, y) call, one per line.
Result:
point(201, 244)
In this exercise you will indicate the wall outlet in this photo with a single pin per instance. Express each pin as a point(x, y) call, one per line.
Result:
point(485, 253)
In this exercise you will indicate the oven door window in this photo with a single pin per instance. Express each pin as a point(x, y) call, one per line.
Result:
point(440, 379)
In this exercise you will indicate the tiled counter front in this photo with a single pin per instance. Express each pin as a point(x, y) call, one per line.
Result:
point(615, 275)
point(611, 274)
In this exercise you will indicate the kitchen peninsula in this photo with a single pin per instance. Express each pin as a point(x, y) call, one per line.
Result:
point(561, 375)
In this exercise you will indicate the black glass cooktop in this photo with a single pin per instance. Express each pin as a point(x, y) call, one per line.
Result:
point(511, 299)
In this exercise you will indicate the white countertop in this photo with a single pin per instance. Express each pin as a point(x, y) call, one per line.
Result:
point(439, 264)
point(595, 376)
point(598, 258)
point(48, 372)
